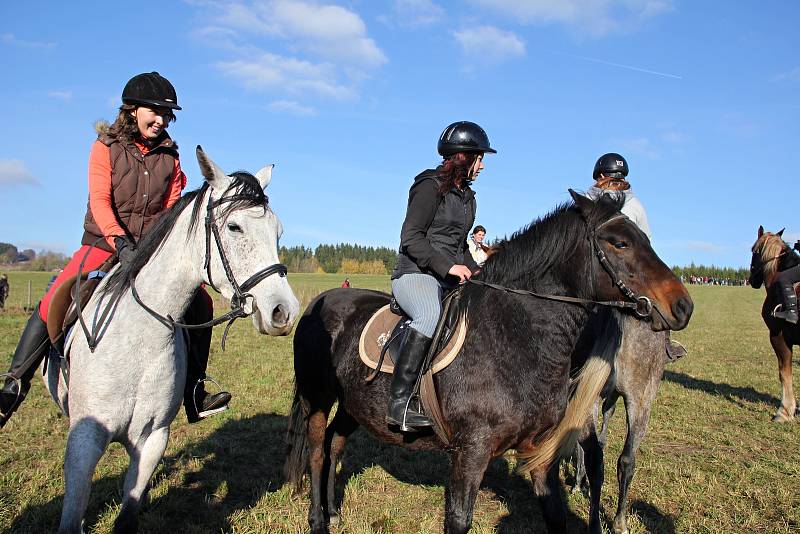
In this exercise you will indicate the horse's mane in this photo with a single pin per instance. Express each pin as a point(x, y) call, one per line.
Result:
point(546, 241)
point(244, 187)
point(769, 246)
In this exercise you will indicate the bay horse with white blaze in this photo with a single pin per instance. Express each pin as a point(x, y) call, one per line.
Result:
point(126, 383)
point(770, 256)
point(509, 387)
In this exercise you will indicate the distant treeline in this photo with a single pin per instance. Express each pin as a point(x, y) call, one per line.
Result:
point(717, 273)
point(30, 260)
point(341, 258)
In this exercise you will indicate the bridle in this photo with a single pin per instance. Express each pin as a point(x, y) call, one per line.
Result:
point(238, 300)
point(640, 304)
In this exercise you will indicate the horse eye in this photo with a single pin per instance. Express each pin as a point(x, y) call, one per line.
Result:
point(233, 227)
point(620, 244)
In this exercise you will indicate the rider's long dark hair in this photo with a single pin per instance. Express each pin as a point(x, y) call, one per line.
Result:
point(247, 192)
point(454, 170)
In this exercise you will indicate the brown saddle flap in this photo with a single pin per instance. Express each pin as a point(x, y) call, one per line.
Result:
point(379, 329)
point(61, 314)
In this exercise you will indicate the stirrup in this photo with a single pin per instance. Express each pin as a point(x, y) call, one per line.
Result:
point(404, 427)
point(778, 308)
point(15, 405)
point(204, 414)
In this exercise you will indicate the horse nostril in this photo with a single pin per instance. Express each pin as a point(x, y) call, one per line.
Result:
point(683, 308)
point(280, 317)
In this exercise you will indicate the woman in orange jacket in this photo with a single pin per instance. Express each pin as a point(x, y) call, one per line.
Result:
point(134, 176)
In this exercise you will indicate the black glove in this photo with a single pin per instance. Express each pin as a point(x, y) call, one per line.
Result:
point(125, 250)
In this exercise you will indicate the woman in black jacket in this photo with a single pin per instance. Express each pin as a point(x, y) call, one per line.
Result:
point(433, 255)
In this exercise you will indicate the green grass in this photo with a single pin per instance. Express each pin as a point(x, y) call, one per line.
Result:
point(712, 461)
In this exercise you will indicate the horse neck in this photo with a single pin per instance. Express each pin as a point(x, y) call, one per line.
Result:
point(167, 282)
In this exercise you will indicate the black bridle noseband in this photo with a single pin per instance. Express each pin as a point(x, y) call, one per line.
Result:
point(238, 300)
point(641, 305)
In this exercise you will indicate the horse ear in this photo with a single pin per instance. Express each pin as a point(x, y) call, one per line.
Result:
point(264, 176)
point(780, 233)
point(213, 174)
point(760, 230)
point(583, 203)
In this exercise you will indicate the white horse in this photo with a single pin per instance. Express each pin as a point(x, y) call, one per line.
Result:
point(129, 387)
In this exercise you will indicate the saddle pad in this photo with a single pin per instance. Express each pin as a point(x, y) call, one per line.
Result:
point(379, 329)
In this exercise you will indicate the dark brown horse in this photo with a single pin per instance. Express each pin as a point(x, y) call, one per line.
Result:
point(509, 387)
point(771, 255)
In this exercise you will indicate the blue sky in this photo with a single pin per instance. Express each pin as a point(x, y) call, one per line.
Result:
point(349, 98)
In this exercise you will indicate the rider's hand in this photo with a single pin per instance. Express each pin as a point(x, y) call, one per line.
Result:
point(125, 250)
point(461, 271)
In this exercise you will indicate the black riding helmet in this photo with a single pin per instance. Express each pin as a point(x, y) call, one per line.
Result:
point(612, 165)
point(464, 136)
point(150, 89)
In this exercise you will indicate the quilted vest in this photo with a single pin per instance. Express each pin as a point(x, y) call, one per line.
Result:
point(139, 187)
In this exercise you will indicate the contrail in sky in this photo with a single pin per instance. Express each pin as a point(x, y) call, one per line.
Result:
point(629, 67)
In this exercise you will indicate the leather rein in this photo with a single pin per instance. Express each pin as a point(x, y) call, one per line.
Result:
point(238, 300)
point(641, 305)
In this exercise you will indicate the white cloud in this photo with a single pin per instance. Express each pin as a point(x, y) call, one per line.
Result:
point(292, 46)
point(488, 43)
point(416, 13)
point(705, 246)
point(637, 145)
point(792, 75)
point(11, 39)
point(289, 106)
point(14, 172)
point(674, 137)
point(598, 17)
point(61, 95)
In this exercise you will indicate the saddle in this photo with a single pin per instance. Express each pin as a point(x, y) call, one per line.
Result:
point(384, 332)
point(63, 311)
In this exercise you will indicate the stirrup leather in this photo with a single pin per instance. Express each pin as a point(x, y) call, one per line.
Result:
point(206, 413)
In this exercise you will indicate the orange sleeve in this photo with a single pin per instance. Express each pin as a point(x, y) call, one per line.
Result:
point(176, 186)
point(100, 192)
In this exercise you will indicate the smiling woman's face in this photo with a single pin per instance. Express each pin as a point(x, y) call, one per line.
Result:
point(151, 121)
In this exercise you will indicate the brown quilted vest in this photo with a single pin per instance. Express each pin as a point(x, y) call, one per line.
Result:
point(139, 187)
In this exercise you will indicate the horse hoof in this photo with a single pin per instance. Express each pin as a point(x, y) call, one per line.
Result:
point(334, 520)
point(781, 417)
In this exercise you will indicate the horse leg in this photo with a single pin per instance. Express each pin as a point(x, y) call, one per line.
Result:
point(317, 422)
point(609, 407)
point(469, 463)
point(593, 454)
point(144, 455)
point(547, 488)
point(335, 437)
point(580, 468)
point(86, 443)
point(638, 415)
point(788, 403)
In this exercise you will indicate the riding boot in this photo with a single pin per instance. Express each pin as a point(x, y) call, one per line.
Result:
point(789, 311)
point(406, 370)
point(32, 347)
point(196, 401)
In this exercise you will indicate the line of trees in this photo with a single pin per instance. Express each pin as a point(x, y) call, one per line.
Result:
point(29, 260)
point(737, 275)
point(341, 258)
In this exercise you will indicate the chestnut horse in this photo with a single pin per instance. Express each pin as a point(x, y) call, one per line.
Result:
point(510, 386)
point(771, 255)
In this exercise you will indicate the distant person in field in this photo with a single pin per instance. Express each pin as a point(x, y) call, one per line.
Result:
point(4, 289)
point(134, 176)
point(478, 250)
point(610, 177)
point(433, 255)
point(346, 282)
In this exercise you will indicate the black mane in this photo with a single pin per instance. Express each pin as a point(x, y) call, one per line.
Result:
point(244, 186)
point(546, 241)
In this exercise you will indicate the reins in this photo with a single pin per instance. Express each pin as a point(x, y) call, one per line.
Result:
point(238, 300)
point(641, 305)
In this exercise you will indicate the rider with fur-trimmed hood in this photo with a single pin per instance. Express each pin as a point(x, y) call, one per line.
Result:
point(433, 255)
point(134, 176)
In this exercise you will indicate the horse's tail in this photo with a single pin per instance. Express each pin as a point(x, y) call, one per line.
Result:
point(297, 442)
point(560, 441)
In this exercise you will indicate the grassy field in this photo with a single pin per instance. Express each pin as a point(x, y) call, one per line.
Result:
point(712, 461)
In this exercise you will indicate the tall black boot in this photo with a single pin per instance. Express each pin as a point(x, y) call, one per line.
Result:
point(32, 347)
point(789, 311)
point(406, 370)
point(196, 401)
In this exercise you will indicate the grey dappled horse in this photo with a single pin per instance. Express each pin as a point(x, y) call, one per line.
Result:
point(130, 387)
